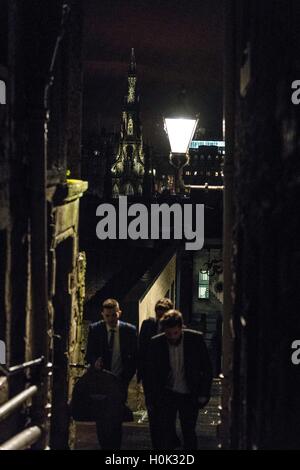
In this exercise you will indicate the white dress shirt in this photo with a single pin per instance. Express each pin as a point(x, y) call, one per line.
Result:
point(177, 381)
point(116, 362)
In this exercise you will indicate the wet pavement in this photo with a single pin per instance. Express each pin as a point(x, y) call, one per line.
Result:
point(136, 435)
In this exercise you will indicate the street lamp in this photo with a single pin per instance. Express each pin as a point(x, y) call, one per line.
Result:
point(180, 132)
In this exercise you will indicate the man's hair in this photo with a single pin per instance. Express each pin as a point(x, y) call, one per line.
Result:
point(170, 319)
point(111, 303)
point(164, 304)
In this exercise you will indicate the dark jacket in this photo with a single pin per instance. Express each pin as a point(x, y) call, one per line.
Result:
point(97, 346)
point(148, 330)
point(197, 364)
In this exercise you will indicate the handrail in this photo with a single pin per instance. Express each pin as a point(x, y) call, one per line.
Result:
point(23, 440)
point(14, 403)
point(31, 435)
point(9, 371)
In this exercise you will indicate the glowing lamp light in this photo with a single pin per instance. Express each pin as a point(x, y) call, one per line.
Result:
point(180, 133)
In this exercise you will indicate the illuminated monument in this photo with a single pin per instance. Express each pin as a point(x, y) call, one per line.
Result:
point(128, 168)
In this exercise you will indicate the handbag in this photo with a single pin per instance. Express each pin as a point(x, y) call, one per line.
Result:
point(97, 395)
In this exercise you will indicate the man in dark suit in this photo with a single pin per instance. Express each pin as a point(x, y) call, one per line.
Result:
point(112, 345)
point(180, 377)
point(151, 327)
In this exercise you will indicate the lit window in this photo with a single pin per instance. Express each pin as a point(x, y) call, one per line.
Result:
point(203, 285)
point(130, 127)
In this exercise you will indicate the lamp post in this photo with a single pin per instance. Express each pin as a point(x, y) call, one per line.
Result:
point(180, 132)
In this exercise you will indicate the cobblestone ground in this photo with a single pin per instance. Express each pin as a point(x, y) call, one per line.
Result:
point(136, 435)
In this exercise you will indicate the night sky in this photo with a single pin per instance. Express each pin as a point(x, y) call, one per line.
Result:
point(176, 44)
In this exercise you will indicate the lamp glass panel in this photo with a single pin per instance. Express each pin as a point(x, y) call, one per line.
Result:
point(180, 133)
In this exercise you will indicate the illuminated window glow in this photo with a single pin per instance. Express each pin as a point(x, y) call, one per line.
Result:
point(130, 127)
point(203, 285)
point(206, 143)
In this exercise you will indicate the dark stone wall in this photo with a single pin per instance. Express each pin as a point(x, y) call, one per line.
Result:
point(266, 318)
point(29, 29)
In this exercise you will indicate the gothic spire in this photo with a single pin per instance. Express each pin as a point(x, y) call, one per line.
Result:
point(132, 66)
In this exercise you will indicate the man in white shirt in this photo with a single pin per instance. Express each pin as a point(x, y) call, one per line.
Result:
point(112, 346)
point(149, 328)
point(180, 378)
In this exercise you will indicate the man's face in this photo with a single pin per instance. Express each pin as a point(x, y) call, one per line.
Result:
point(174, 334)
point(159, 312)
point(110, 316)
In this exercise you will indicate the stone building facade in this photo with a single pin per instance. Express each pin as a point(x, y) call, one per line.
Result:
point(261, 225)
point(41, 268)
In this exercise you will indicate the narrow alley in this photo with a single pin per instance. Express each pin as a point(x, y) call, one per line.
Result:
point(136, 435)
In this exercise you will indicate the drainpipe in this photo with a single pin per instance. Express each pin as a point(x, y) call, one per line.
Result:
point(229, 135)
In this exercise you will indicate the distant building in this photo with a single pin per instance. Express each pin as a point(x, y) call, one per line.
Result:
point(98, 152)
point(206, 163)
point(128, 169)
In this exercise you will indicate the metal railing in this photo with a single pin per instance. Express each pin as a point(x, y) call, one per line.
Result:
point(23, 440)
point(14, 403)
point(29, 436)
point(9, 371)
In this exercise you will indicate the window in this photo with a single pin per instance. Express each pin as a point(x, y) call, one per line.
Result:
point(130, 127)
point(128, 190)
point(203, 285)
